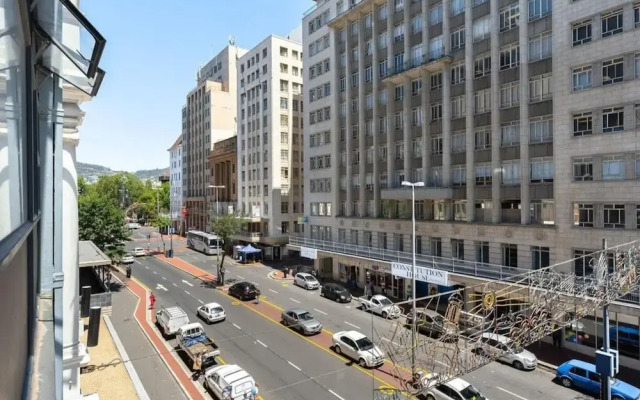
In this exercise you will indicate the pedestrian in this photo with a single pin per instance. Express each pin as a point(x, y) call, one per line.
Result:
point(254, 391)
point(371, 288)
point(128, 271)
point(285, 271)
point(557, 338)
point(152, 300)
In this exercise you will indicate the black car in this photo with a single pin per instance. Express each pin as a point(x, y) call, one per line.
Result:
point(244, 291)
point(335, 292)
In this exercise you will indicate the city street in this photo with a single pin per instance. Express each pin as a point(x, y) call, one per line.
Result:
point(290, 367)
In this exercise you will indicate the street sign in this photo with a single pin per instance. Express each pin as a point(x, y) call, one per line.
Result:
point(309, 253)
point(423, 274)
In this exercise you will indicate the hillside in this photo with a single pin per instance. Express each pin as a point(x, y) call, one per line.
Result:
point(91, 172)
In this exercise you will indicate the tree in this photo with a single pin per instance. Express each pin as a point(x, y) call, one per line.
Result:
point(160, 221)
point(165, 199)
point(100, 221)
point(226, 226)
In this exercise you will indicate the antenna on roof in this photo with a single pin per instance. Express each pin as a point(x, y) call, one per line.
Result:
point(232, 40)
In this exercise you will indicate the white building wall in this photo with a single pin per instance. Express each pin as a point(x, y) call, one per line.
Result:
point(175, 183)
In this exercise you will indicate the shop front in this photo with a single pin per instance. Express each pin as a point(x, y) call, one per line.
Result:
point(354, 274)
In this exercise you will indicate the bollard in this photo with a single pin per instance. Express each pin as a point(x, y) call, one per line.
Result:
point(85, 305)
point(94, 327)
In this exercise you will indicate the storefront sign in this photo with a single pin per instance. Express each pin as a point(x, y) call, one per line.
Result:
point(422, 274)
point(309, 253)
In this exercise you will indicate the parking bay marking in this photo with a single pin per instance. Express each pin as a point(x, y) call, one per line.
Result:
point(264, 345)
point(336, 394)
point(186, 282)
point(511, 393)
point(294, 366)
point(237, 326)
point(273, 291)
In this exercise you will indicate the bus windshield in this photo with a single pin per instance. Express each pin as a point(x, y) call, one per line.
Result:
point(215, 243)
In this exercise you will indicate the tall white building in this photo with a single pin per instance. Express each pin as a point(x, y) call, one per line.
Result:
point(521, 117)
point(270, 151)
point(175, 185)
point(209, 116)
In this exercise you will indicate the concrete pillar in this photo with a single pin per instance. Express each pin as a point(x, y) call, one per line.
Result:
point(407, 127)
point(425, 98)
point(525, 166)
point(335, 140)
point(391, 154)
point(495, 115)
point(375, 66)
point(446, 98)
point(470, 151)
point(362, 139)
point(349, 120)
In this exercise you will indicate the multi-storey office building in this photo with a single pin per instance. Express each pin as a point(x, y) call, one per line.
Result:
point(270, 110)
point(208, 116)
point(520, 117)
point(224, 177)
point(175, 185)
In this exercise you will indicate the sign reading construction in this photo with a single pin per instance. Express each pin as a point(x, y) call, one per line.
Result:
point(309, 253)
point(422, 274)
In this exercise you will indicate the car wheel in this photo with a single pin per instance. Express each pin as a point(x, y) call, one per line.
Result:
point(385, 314)
point(518, 365)
point(362, 363)
point(337, 349)
point(566, 382)
point(430, 397)
point(285, 323)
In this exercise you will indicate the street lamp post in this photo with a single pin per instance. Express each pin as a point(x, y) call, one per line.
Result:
point(216, 187)
point(413, 273)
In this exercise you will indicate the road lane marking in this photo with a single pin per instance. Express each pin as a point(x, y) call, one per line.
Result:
point(321, 312)
point(201, 302)
point(273, 291)
point(187, 293)
point(141, 264)
point(511, 393)
point(155, 273)
point(187, 283)
point(161, 287)
point(264, 345)
point(294, 300)
point(164, 278)
point(355, 326)
point(236, 326)
point(336, 394)
point(389, 341)
point(174, 285)
point(240, 277)
point(294, 366)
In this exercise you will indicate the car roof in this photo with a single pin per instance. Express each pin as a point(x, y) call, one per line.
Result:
point(243, 283)
point(192, 325)
point(298, 311)
point(458, 384)
point(138, 248)
point(581, 364)
point(353, 335)
point(212, 305)
point(304, 274)
point(496, 336)
point(225, 370)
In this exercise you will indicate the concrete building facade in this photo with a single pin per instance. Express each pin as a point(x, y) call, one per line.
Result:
point(223, 163)
point(270, 150)
point(520, 117)
point(209, 116)
point(175, 185)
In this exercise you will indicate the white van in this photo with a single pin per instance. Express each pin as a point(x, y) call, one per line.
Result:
point(170, 319)
point(228, 382)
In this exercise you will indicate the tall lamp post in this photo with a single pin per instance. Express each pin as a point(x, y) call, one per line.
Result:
point(413, 272)
point(216, 187)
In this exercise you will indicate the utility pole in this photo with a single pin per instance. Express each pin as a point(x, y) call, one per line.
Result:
point(605, 379)
point(215, 188)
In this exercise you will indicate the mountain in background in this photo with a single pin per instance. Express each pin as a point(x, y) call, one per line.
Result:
point(91, 172)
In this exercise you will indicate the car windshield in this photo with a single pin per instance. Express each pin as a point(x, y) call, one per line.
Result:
point(471, 393)
point(385, 302)
point(364, 344)
point(217, 309)
point(305, 316)
point(310, 278)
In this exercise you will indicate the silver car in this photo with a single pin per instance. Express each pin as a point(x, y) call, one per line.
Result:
point(302, 321)
point(502, 348)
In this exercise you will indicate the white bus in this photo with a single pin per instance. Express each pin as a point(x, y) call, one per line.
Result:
point(206, 243)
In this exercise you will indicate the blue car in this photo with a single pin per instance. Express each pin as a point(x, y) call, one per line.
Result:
point(583, 375)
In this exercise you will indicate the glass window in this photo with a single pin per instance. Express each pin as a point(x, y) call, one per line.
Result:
point(539, 8)
point(540, 46)
point(582, 78)
point(582, 124)
point(613, 119)
point(539, 257)
point(614, 216)
point(583, 215)
point(583, 169)
point(481, 28)
point(613, 167)
point(435, 14)
point(509, 17)
point(612, 71)
point(510, 255)
point(581, 32)
point(542, 169)
point(611, 23)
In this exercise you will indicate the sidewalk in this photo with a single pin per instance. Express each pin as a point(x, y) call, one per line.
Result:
point(553, 356)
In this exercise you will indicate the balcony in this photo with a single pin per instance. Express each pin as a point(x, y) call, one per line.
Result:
point(250, 237)
point(352, 12)
point(433, 62)
point(422, 193)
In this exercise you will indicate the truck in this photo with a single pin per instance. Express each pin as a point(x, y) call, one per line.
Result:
point(170, 319)
point(379, 304)
point(200, 350)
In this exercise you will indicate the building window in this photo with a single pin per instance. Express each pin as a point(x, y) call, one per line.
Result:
point(457, 7)
point(611, 23)
point(509, 17)
point(435, 14)
point(483, 174)
point(509, 56)
point(416, 87)
point(459, 175)
point(613, 167)
point(482, 101)
point(582, 169)
point(636, 14)
point(436, 144)
point(510, 94)
point(435, 179)
point(541, 129)
point(581, 32)
point(398, 33)
point(416, 24)
point(543, 212)
point(511, 172)
point(583, 215)
point(637, 217)
point(612, 71)
point(436, 246)
point(637, 65)
point(458, 142)
point(398, 122)
point(539, 257)
point(457, 249)
point(614, 217)
point(637, 169)
point(382, 12)
point(510, 255)
point(482, 66)
point(582, 78)
point(542, 169)
point(483, 138)
point(458, 106)
point(399, 150)
point(436, 111)
point(457, 39)
point(540, 87)
point(481, 28)
point(416, 116)
point(436, 81)
point(613, 119)
point(539, 8)
point(457, 73)
point(582, 124)
point(482, 252)
point(540, 47)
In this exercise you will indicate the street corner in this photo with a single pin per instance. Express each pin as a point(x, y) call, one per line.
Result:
point(279, 276)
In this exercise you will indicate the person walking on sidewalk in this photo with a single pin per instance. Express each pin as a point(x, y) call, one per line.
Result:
point(152, 300)
point(285, 271)
point(557, 338)
point(128, 271)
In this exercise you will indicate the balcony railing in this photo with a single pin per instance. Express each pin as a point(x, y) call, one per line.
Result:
point(432, 56)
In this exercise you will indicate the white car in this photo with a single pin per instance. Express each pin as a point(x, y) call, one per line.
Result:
point(212, 312)
point(139, 252)
point(455, 389)
point(128, 259)
point(229, 382)
point(358, 347)
point(306, 281)
point(496, 345)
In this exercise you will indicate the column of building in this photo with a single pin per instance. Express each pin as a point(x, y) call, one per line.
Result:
point(495, 115)
point(446, 108)
point(425, 98)
point(337, 117)
point(375, 71)
point(349, 120)
point(407, 123)
point(525, 167)
point(362, 137)
point(469, 121)
point(390, 131)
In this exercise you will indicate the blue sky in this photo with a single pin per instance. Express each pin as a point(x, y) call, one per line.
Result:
point(154, 48)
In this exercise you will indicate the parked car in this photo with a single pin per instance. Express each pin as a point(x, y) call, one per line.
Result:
point(306, 281)
point(228, 382)
point(583, 375)
point(495, 345)
point(127, 259)
point(455, 389)
point(212, 312)
point(244, 291)
point(301, 320)
point(430, 323)
point(358, 347)
point(139, 252)
point(379, 304)
point(170, 319)
point(335, 292)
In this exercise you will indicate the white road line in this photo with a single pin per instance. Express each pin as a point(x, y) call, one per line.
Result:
point(348, 323)
point(387, 340)
point(144, 266)
point(336, 394)
point(321, 312)
point(511, 393)
point(273, 291)
point(187, 293)
point(187, 283)
point(139, 263)
point(155, 273)
point(240, 277)
point(294, 300)
point(236, 326)
point(164, 278)
point(174, 285)
point(261, 343)
point(201, 302)
point(294, 366)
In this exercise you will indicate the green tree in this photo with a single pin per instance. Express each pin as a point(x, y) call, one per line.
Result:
point(102, 222)
point(164, 197)
point(226, 226)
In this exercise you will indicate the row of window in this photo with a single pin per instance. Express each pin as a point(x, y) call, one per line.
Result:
point(612, 167)
point(319, 68)
point(611, 24)
point(320, 162)
point(323, 114)
point(284, 191)
point(318, 22)
point(607, 215)
point(612, 71)
point(319, 45)
point(322, 185)
point(319, 139)
point(321, 209)
point(611, 120)
point(319, 92)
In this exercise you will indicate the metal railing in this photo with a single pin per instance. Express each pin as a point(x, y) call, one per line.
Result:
point(433, 55)
point(456, 266)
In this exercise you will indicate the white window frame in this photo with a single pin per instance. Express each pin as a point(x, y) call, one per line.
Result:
point(539, 8)
point(613, 216)
point(481, 28)
point(611, 23)
point(540, 46)
point(458, 39)
point(459, 106)
point(458, 73)
point(585, 118)
point(416, 116)
point(612, 65)
point(510, 94)
point(436, 111)
point(584, 165)
point(613, 167)
point(482, 101)
point(509, 56)
point(582, 78)
point(510, 134)
point(459, 175)
point(579, 27)
point(509, 17)
point(436, 144)
point(607, 125)
point(435, 14)
point(459, 141)
point(541, 129)
point(540, 87)
point(510, 172)
point(542, 170)
point(482, 138)
point(482, 63)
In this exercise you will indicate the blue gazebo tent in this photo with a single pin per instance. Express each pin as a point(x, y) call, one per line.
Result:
point(249, 253)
